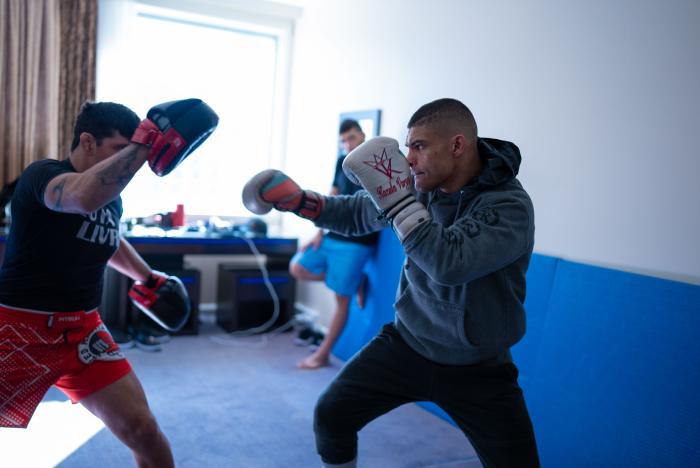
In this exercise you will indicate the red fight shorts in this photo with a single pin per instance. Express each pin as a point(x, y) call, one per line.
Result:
point(72, 350)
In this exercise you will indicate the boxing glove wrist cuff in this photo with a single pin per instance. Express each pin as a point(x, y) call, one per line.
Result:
point(389, 213)
point(146, 133)
point(310, 205)
point(409, 218)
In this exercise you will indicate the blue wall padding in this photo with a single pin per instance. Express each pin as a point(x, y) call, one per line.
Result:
point(539, 281)
point(383, 271)
point(617, 374)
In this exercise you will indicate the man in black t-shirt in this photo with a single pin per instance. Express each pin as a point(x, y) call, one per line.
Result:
point(336, 259)
point(64, 231)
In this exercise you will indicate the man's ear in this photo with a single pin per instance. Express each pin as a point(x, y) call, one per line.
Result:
point(87, 142)
point(458, 145)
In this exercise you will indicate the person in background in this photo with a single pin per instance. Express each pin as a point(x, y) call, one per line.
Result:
point(334, 258)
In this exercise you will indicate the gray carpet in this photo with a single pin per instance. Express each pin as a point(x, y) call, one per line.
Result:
point(222, 405)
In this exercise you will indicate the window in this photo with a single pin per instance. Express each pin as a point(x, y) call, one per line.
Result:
point(148, 55)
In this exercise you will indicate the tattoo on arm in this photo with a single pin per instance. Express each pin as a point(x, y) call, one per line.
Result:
point(121, 170)
point(58, 193)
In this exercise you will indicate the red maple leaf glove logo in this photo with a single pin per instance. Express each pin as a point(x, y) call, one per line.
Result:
point(380, 168)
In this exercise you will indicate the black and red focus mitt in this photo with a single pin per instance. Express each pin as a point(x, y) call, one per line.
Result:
point(173, 130)
point(164, 299)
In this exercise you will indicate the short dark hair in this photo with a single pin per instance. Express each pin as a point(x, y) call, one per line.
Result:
point(347, 125)
point(102, 119)
point(442, 111)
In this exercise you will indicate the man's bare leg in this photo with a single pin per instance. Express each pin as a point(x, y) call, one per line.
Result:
point(321, 356)
point(122, 406)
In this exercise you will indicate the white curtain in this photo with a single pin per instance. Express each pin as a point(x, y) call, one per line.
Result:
point(148, 55)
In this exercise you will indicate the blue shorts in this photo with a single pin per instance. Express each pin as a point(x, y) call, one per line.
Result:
point(341, 261)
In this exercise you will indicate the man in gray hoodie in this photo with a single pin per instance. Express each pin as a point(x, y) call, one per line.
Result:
point(467, 227)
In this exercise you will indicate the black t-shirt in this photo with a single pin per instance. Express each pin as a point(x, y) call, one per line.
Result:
point(55, 261)
point(347, 187)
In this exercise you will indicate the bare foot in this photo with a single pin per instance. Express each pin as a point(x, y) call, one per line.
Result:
point(313, 362)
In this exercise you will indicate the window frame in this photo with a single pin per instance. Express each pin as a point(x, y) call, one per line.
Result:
point(250, 17)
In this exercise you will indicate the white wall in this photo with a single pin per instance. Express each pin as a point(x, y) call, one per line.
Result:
point(602, 97)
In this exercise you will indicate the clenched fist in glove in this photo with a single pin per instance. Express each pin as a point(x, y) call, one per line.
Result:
point(274, 189)
point(173, 130)
point(164, 299)
point(380, 168)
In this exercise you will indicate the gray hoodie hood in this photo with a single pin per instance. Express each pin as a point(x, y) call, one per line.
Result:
point(501, 159)
point(501, 164)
